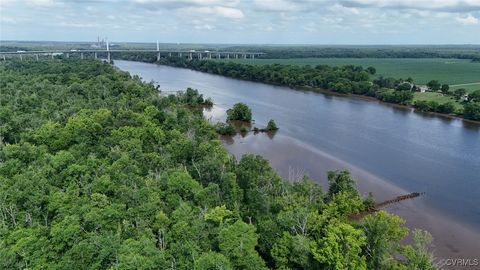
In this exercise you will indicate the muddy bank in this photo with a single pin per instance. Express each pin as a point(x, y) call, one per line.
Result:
point(292, 159)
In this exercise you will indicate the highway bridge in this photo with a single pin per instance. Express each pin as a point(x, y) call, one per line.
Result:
point(190, 54)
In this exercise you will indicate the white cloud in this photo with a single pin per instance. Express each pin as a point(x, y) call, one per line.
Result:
point(207, 12)
point(277, 5)
point(444, 5)
point(468, 20)
point(228, 12)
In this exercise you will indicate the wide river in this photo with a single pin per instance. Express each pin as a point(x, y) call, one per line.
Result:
point(410, 151)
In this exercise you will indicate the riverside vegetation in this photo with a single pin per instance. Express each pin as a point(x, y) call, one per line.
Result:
point(346, 79)
point(97, 171)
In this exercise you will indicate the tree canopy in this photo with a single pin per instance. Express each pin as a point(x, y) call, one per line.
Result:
point(98, 171)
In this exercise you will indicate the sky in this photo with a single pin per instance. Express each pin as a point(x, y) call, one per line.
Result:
point(244, 21)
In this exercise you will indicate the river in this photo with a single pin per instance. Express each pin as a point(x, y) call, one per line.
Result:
point(390, 150)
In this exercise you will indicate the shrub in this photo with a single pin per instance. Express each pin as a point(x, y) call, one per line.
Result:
point(240, 112)
point(271, 125)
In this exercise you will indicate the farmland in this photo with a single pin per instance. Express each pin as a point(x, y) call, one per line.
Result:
point(422, 70)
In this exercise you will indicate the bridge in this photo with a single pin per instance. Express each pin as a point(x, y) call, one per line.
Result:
point(190, 54)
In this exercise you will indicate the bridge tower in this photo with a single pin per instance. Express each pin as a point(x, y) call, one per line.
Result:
point(108, 52)
point(158, 51)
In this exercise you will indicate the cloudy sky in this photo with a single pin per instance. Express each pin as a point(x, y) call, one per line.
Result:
point(245, 21)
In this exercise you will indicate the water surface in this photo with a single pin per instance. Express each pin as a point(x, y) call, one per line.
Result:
point(415, 152)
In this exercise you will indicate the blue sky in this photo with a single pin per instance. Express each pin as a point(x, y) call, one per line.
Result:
point(244, 21)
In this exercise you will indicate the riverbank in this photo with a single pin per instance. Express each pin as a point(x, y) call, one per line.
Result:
point(373, 99)
point(292, 159)
point(416, 152)
point(367, 96)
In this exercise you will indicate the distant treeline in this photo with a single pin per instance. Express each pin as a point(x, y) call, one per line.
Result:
point(274, 52)
point(284, 51)
point(347, 79)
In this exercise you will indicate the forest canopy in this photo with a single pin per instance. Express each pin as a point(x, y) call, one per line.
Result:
point(97, 171)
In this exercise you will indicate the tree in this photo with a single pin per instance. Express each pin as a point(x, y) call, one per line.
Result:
point(271, 125)
point(371, 70)
point(293, 252)
point(434, 85)
point(404, 87)
point(340, 181)
point(472, 110)
point(212, 261)
point(474, 96)
point(240, 112)
point(418, 255)
point(237, 242)
point(383, 232)
point(340, 248)
point(459, 93)
point(447, 107)
point(445, 88)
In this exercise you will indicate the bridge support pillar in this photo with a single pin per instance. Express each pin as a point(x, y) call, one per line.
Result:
point(158, 56)
point(4, 58)
point(179, 54)
point(228, 56)
point(36, 56)
point(236, 56)
point(51, 55)
point(209, 55)
point(190, 56)
point(109, 57)
point(81, 55)
point(21, 58)
point(95, 55)
point(170, 54)
point(218, 56)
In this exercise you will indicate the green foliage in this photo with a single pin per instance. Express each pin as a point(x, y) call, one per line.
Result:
point(418, 255)
point(445, 88)
point(237, 242)
point(340, 247)
point(225, 129)
point(472, 111)
point(459, 93)
point(383, 233)
point(434, 85)
point(271, 125)
point(474, 96)
point(212, 261)
point(239, 112)
point(433, 106)
point(98, 171)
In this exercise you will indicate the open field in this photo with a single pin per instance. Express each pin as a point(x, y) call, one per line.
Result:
point(422, 70)
point(438, 97)
point(470, 87)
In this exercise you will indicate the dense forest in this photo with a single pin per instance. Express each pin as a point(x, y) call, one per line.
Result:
point(98, 171)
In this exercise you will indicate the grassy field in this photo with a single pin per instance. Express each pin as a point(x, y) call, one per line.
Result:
point(430, 96)
point(470, 87)
point(422, 70)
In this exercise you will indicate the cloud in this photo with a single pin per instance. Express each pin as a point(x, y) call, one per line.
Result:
point(174, 4)
point(439, 5)
point(468, 20)
point(278, 5)
point(228, 12)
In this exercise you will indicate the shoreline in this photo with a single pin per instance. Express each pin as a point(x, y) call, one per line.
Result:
point(349, 95)
point(287, 155)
